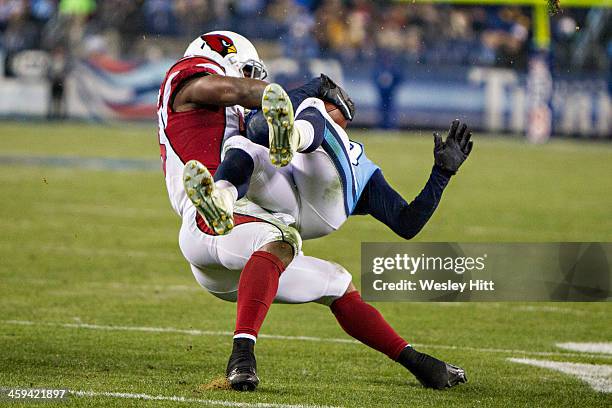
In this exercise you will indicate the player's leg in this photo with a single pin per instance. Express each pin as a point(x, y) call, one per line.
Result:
point(286, 134)
point(336, 179)
point(269, 187)
point(257, 125)
point(317, 176)
point(310, 189)
point(309, 279)
point(214, 197)
point(364, 189)
point(363, 322)
point(261, 249)
point(330, 176)
point(321, 87)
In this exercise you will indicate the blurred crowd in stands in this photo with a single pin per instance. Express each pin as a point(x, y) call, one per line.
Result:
point(357, 32)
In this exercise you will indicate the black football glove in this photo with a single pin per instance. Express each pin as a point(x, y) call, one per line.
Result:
point(330, 92)
point(451, 153)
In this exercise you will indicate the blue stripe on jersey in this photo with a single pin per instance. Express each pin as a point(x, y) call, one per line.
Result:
point(333, 146)
point(363, 169)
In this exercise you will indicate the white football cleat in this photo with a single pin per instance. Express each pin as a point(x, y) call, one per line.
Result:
point(215, 205)
point(278, 111)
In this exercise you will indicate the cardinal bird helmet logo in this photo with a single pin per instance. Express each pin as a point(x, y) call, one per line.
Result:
point(219, 43)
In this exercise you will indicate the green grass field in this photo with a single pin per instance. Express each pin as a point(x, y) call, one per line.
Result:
point(95, 295)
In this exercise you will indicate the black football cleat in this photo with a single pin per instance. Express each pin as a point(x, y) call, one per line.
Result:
point(242, 367)
point(431, 372)
point(456, 375)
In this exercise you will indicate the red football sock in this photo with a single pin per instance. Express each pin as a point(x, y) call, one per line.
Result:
point(366, 324)
point(256, 291)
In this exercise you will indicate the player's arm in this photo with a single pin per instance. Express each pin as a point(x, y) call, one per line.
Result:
point(385, 204)
point(219, 90)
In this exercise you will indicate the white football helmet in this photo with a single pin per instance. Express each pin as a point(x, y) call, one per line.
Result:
point(230, 50)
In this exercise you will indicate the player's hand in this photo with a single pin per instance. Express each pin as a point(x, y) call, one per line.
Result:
point(329, 91)
point(451, 153)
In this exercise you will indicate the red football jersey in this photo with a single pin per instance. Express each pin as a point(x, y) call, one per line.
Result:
point(197, 134)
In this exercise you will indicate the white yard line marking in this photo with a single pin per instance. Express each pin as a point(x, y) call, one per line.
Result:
point(189, 400)
point(512, 351)
point(605, 348)
point(550, 309)
point(84, 251)
point(103, 210)
point(175, 398)
point(88, 251)
point(192, 332)
point(196, 332)
point(113, 285)
point(598, 376)
point(88, 163)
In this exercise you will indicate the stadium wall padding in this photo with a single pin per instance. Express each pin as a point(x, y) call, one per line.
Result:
point(490, 99)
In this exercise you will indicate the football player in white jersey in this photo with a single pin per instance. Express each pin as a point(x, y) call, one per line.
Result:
point(331, 178)
point(260, 260)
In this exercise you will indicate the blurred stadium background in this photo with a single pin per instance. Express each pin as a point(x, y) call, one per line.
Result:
point(503, 66)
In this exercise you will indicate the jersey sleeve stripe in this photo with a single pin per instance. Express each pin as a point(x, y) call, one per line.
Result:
point(195, 57)
point(215, 68)
point(163, 109)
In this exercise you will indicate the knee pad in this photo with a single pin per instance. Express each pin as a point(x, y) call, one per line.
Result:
point(277, 227)
point(218, 281)
point(288, 234)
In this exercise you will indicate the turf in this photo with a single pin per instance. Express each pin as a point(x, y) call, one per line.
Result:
point(100, 247)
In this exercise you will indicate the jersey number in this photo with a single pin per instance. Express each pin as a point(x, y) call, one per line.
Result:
point(355, 152)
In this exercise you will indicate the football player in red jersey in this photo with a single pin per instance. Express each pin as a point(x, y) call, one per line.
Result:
point(201, 104)
point(200, 107)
